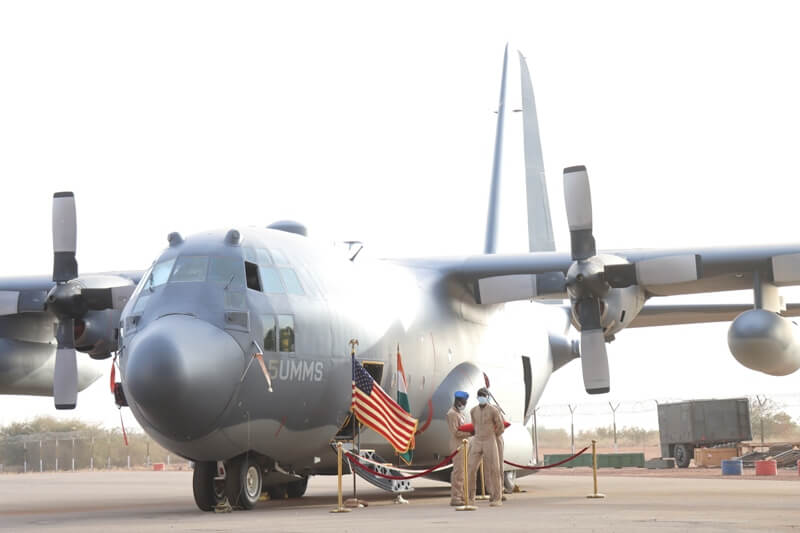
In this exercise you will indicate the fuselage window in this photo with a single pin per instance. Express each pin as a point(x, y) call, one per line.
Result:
point(270, 281)
point(270, 342)
point(278, 257)
point(227, 270)
point(190, 268)
point(251, 272)
point(292, 283)
point(286, 333)
point(160, 274)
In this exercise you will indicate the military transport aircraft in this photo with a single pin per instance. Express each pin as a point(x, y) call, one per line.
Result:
point(185, 331)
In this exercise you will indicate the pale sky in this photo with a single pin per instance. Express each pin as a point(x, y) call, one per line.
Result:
point(374, 121)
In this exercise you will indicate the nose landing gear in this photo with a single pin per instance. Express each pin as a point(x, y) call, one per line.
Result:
point(241, 486)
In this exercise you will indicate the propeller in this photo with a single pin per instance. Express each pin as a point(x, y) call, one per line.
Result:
point(68, 300)
point(589, 278)
point(585, 280)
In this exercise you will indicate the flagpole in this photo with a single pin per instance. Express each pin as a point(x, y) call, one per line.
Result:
point(356, 433)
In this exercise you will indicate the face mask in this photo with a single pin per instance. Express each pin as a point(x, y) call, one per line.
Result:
point(483, 400)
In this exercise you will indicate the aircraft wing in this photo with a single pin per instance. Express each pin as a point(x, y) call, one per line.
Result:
point(718, 269)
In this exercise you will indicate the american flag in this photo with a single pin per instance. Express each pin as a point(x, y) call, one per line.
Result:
point(376, 410)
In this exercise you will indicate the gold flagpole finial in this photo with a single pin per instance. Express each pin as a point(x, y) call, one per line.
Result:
point(353, 343)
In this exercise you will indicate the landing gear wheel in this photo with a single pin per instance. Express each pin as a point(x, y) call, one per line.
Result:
point(277, 492)
point(296, 489)
point(243, 482)
point(682, 455)
point(207, 492)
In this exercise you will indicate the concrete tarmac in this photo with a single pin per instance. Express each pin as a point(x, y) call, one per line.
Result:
point(121, 502)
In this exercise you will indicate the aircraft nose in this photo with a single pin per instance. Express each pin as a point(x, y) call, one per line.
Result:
point(181, 372)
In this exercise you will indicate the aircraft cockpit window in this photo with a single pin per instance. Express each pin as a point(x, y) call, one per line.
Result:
point(278, 257)
point(286, 333)
point(190, 268)
point(292, 283)
point(270, 342)
point(270, 280)
point(259, 256)
point(160, 274)
point(227, 270)
point(263, 257)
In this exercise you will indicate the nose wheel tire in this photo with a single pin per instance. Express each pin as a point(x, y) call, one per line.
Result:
point(207, 492)
point(243, 482)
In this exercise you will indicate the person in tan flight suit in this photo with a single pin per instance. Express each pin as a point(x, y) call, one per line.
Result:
point(500, 456)
point(455, 419)
point(488, 426)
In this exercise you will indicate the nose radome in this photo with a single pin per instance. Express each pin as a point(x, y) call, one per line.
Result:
point(181, 373)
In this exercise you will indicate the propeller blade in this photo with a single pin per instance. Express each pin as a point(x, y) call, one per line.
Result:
point(65, 375)
point(65, 267)
point(594, 362)
point(107, 297)
point(15, 302)
point(9, 303)
point(620, 276)
point(669, 270)
point(578, 199)
point(65, 379)
point(658, 271)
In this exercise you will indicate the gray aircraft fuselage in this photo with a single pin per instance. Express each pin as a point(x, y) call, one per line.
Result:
point(187, 345)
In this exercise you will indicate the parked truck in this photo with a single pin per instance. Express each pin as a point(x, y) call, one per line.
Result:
point(684, 426)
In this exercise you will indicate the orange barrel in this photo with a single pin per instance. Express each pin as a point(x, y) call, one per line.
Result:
point(767, 468)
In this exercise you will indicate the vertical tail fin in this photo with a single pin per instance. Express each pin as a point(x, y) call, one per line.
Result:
point(540, 227)
point(494, 193)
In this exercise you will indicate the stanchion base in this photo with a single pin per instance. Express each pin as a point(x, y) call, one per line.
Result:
point(466, 508)
point(596, 496)
point(355, 503)
point(340, 510)
point(482, 497)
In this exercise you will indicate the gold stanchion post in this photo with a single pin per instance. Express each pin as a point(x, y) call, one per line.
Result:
point(595, 494)
point(483, 495)
point(466, 506)
point(340, 508)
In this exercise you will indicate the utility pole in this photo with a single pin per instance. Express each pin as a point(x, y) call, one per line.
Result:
point(761, 401)
point(614, 416)
point(572, 409)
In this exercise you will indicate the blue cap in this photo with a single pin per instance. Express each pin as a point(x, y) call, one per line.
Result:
point(461, 395)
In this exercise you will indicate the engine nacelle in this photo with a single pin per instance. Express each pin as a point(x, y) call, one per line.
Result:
point(764, 341)
point(96, 333)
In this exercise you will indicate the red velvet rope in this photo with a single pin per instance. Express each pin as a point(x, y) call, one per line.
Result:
point(354, 459)
point(568, 459)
